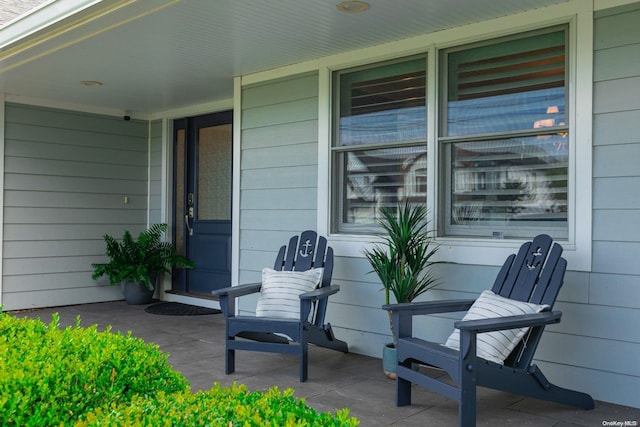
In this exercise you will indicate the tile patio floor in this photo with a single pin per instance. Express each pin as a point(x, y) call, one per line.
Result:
point(336, 380)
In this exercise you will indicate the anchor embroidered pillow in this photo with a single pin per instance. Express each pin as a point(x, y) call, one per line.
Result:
point(280, 292)
point(496, 346)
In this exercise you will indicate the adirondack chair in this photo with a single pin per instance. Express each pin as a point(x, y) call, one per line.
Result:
point(309, 251)
point(534, 275)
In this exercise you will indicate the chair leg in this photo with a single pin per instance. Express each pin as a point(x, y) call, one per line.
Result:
point(467, 374)
point(304, 359)
point(467, 404)
point(403, 392)
point(227, 304)
point(230, 361)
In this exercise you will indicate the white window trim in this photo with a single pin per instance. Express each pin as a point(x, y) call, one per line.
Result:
point(577, 249)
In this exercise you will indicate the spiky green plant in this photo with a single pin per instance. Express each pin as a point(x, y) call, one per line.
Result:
point(138, 260)
point(404, 262)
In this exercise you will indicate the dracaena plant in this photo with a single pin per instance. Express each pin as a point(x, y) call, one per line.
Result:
point(404, 261)
point(138, 260)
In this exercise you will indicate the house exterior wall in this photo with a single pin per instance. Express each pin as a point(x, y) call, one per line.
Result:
point(614, 293)
point(596, 346)
point(66, 176)
point(156, 142)
point(279, 170)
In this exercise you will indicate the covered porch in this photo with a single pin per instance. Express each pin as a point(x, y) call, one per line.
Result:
point(97, 95)
point(336, 380)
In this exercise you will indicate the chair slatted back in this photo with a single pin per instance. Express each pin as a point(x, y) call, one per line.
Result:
point(303, 253)
point(535, 274)
point(532, 274)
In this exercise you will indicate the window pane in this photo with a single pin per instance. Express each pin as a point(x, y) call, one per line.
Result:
point(379, 147)
point(383, 105)
point(384, 127)
point(379, 177)
point(509, 86)
point(514, 92)
point(503, 185)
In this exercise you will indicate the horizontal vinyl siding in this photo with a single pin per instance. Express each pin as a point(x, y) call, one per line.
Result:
point(155, 172)
point(278, 176)
point(66, 177)
point(595, 348)
point(602, 337)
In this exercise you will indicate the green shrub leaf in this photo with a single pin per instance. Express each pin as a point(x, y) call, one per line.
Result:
point(83, 377)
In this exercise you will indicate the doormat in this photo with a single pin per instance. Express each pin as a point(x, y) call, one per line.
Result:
point(179, 309)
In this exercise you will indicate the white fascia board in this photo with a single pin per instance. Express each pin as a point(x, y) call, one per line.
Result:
point(41, 18)
point(57, 18)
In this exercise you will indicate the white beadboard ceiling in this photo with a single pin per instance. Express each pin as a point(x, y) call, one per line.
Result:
point(163, 55)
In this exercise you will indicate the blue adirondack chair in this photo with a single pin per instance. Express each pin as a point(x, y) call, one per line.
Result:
point(265, 334)
point(534, 275)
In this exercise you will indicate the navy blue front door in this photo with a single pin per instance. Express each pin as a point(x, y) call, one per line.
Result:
point(203, 190)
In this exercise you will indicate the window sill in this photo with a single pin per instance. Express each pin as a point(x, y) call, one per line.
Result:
point(491, 252)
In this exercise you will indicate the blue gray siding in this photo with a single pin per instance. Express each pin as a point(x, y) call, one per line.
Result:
point(596, 346)
point(279, 170)
point(613, 310)
point(155, 171)
point(66, 178)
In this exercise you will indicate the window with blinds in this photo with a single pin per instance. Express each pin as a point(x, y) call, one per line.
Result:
point(379, 145)
point(504, 135)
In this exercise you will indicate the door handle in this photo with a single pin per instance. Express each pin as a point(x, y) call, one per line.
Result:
point(186, 221)
point(189, 214)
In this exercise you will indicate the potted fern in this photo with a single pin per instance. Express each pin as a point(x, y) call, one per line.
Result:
point(404, 262)
point(136, 263)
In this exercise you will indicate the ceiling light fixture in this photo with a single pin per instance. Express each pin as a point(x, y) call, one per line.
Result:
point(352, 6)
point(91, 83)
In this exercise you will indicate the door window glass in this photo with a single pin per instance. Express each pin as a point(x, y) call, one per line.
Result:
point(214, 173)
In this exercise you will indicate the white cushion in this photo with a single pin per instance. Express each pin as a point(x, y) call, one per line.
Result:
point(280, 292)
point(496, 346)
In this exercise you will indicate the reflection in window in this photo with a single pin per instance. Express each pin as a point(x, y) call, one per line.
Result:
point(504, 133)
point(508, 183)
point(379, 177)
point(379, 149)
point(508, 86)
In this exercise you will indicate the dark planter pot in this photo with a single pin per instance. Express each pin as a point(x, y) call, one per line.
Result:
point(389, 360)
point(136, 293)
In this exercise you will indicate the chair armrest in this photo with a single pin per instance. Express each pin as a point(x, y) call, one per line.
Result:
point(509, 322)
point(237, 291)
point(402, 314)
point(430, 307)
point(320, 293)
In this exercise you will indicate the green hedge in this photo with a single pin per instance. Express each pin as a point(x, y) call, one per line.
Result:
point(52, 376)
point(79, 376)
point(234, 406)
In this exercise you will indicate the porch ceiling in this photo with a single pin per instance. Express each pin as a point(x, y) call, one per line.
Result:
point(162, 55)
